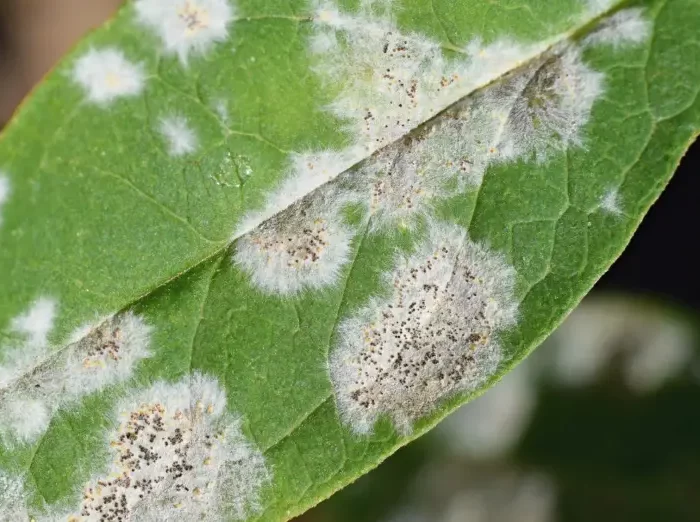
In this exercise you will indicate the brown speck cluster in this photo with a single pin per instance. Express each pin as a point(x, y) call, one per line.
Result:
point(105, 343)
point(194, 17)
point(422, 352)
point(300, 247)
point(155, 460)
point(432, 337)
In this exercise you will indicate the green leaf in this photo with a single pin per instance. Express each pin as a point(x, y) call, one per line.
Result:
point(249, 251)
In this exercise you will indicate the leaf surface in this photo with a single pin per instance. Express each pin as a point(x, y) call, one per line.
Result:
point(308, 233)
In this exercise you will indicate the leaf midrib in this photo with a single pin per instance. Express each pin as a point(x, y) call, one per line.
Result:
point(575, 32)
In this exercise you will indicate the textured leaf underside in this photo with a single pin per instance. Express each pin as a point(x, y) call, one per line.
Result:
point(250, 263)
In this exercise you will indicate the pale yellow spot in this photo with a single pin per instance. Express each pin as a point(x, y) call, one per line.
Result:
point(92, 363)
point(113, 80)
point(326, 16)
point(195, 17)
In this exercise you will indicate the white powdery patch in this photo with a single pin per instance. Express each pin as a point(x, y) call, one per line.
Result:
point(106, 74)
point(624, 28)
point(534, 112)
point(610, 202)
point(307, 172)
point(434, 335)
point(178, 135)
point(107, 354)
point(391, 82)
point(305, 246)
point(541, 110)
point(12, 498)
point(176, 455)
point(37, 322)
point(4, 191)
point(597, 7)
point(396, 187)
point(36, 380)
point(220, 106)
point(186, 26)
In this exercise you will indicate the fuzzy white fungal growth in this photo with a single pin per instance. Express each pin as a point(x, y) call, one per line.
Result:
point(108, 354)
point(12, 498)
point(37, 380)
point(221, 108)
point(307, 172)
point(391, 82)
point(4, 191)
point(543, 109)
point(106, 74)
point(178, 135)
point(536, 111)
point(400, 184)
point(610, 202)
point(434, 335)
point(177, 455)
point(37, 322)
point(186, 26)
point(598, 7)
point(388, 83)
point(305, 246)
point(396, 189)
point(624, 28)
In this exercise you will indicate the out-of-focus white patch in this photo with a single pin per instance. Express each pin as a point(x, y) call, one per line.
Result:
point(37, 379)
point(624, 28)
point(186, 26)
point(13, 506)
point(584, 344)
point(435, 333)
point(531, 498)
point(4, 191)
point(654, 346)
point(178, 135)
point(610, 202)
point(177, 455)
point(661, 353)
point(452, 494)
point(106, 74)
point(490, 426)
point(304, 246)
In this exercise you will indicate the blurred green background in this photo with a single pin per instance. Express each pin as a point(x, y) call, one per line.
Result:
point(601, 424)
